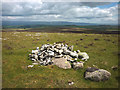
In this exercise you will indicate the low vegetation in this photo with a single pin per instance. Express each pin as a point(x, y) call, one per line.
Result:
point(102, 49)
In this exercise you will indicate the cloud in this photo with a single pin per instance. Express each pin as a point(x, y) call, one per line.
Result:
point(94, 4)
point(59, 11)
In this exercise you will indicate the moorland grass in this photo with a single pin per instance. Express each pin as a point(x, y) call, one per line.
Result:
point(102, 49)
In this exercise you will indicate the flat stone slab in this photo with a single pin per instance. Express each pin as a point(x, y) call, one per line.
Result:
point(61, 63)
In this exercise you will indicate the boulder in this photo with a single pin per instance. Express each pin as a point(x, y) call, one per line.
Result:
point(61, 63)
point(97, 75)
point(78, 65)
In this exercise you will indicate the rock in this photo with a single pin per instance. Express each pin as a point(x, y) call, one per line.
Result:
point(56, 50)
point(66, 52)
point(64, 48)
point(70, 83)
point(91, 69)
point(73, 54)
point(41, 56)
point(66, 45)
point(58, 46)
point(58, 56)
point(83, 56)
point(69, 58)
point(71, 48)
point(78, 65)
point(60, 51)
point(62, 63)
point(37, 48)
point(44, 63)
point(75, 58)
point(78, 51)
point(35, 63)
point(33, 59)
point(97, 75)
point(51, 53)
point(35, 51)
point(115, 67)
point(36, 57)
point(30, 55)
point(30, 66)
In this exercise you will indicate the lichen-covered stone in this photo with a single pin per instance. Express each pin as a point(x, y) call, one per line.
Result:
point(62, 63)
point(95, 74)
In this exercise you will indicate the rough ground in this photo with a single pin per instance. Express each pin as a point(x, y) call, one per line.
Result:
point(102, 49)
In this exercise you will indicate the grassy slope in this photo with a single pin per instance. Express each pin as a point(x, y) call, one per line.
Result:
point(17, 47)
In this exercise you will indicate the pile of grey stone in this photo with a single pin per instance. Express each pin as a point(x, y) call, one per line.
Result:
point(49, 52)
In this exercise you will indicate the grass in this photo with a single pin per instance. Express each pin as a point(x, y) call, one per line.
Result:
point(17, 45)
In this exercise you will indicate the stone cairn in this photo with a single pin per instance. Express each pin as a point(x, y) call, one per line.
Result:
point(61, 55)
point(48, 52)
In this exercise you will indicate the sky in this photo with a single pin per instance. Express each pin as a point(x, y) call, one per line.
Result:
point(82, 12)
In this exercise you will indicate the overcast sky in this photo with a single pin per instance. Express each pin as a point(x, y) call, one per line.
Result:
point(83, 12)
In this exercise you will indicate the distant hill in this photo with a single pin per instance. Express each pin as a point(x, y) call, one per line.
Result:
point(4, 23)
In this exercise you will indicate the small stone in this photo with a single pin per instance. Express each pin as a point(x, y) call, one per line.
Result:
point(70, 83)
point(78, 65)
point(58, 56)
point(71, 48)
point(73, 54)
point(30, 66)
point(35, 51)
point(51, 53)
point(66, 52)
point(83, 56)
point(75, 58)
point(69, 58)
point(36, 57)
point(37, 48)
point(78, 51)
point(35, 63)
point(114, 67)
point(33, 59)
point(60, 51)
